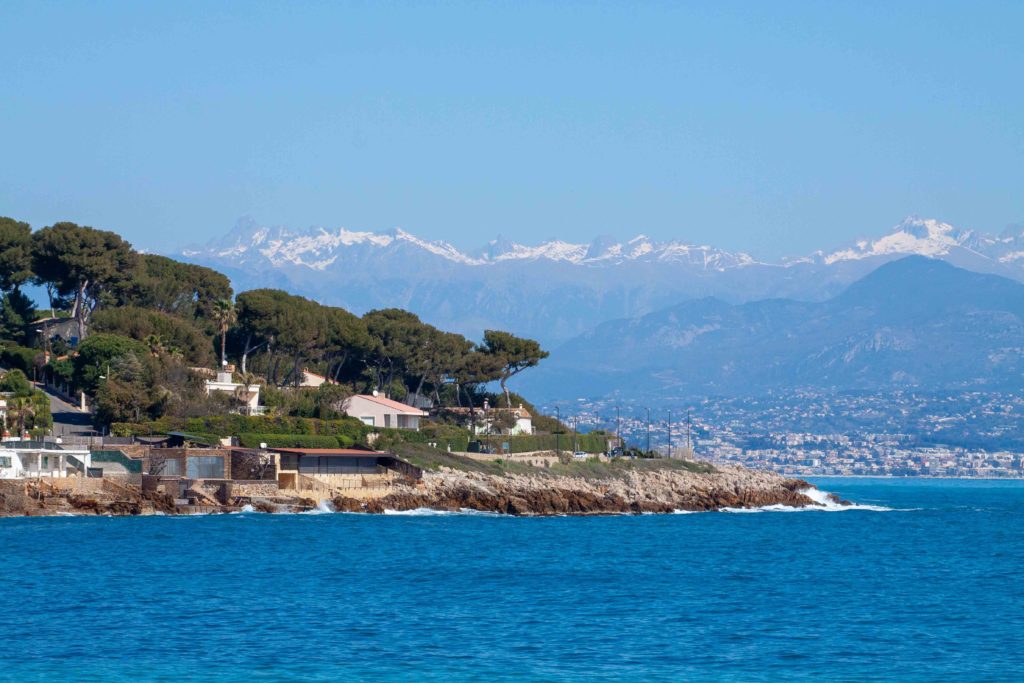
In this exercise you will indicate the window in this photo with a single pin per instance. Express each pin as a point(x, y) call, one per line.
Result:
point(206, 467)
point(367, 419)
point(5, 461)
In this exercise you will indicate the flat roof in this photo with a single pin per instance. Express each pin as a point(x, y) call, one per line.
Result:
point(327, 451)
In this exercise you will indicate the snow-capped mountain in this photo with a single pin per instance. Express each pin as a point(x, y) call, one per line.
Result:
point(318, 248)
point(558, 289)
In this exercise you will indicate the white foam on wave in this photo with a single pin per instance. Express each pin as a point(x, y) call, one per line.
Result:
point(823, 503)
point(430, 512)
point(324, 507)
point(244, 509)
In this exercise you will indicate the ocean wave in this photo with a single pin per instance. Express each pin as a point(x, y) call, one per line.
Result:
point(323, 508)
point(823, 503)
point(430, 512)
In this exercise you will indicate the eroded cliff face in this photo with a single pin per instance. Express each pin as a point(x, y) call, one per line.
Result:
point(633, 492)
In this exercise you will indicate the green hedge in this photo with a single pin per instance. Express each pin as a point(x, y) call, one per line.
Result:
point(250, 440)
point(445, 435)
point(438, 433)
point(350, 430)
point(524, 443)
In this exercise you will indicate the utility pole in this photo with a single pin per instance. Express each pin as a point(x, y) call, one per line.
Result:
point(618, 431)
point(558, 432)
point(689, 447)
point(648, 431)
point(575, 438)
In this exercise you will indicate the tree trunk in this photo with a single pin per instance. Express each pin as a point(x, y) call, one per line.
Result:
point(78, 309)
point(245, 353)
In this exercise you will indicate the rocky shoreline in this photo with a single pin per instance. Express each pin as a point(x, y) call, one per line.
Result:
point(635, 492)
point(542, 494)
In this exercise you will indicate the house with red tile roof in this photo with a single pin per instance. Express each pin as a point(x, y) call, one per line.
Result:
point(377, 411)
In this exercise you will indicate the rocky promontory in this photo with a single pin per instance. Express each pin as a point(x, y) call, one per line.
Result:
point(631, 491)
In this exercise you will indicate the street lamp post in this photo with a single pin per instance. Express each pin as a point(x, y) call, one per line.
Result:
point(670, 432)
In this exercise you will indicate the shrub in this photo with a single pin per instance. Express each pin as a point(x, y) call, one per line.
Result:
point(15, 382)
point(251, 440)
point(19, 357)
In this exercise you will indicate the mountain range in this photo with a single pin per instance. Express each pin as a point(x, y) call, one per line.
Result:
point(915, 323)
point(558, 290)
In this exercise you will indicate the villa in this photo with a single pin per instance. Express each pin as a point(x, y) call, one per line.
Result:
point(21, 459)
point(377, 411)
point(487, 420)
point(248, 397)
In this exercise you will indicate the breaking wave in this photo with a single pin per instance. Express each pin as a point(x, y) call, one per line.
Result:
point(430, 512)
point(823, 503)
point(323, 508)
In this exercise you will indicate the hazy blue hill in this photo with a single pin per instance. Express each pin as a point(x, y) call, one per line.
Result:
point(915, 322)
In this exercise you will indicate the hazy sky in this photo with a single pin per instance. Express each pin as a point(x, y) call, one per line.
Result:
point(771, 127)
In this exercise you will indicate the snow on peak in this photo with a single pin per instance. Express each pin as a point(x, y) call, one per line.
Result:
point(924, 237)
point(319, 248)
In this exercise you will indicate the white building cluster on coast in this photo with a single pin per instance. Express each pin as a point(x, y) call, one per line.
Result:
point(959, 434)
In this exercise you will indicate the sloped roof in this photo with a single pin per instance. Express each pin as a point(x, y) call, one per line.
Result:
point(394, 405)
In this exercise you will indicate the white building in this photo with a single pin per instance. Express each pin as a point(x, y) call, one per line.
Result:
point(248, 396)
point(22, 459)
point(378, 411)
point(311, 379)
point(496, 420)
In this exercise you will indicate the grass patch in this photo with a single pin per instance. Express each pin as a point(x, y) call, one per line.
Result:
point(432, 459)
point(619, 467)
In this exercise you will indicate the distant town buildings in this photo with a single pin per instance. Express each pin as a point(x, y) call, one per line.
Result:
point(958, 434)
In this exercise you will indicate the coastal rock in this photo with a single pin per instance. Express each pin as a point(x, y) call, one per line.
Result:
point(634, 492)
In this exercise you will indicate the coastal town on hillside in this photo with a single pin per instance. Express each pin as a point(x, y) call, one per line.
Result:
point(899, 434)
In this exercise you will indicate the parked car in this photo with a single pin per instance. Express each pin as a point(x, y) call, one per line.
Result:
point(580, 455)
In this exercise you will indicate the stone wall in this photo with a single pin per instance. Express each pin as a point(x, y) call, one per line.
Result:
point(253, 489)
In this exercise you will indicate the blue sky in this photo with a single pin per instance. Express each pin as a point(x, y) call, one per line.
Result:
point(774, 128)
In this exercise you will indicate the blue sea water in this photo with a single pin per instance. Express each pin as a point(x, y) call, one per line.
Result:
point(930, 589)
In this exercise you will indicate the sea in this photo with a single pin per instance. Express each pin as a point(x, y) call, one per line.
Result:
point(921, 581)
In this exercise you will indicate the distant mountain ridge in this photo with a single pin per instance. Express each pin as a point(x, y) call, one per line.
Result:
point(556, 290)
point(913, 323)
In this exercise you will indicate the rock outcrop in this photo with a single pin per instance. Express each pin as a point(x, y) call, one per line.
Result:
point(652, 491)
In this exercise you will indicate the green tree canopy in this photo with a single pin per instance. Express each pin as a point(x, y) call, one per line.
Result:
point(515, 353)
point(173, 333)
point(82, 263)
point(15, 253)
point(99, 354)
point(181, 289)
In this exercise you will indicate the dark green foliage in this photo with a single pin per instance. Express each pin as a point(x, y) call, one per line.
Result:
point(229, 424)
point(16, 312)
point(15, 253)
point(180, 289)
point(515, 353)
point(20, 357)
point(159, 331)
point(99, 355)
point(84, 264)
point(15, 382)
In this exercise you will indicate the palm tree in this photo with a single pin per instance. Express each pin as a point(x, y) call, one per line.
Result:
point(225, 316)
point(245, 393)
point(20, 410)
point(155, 344)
